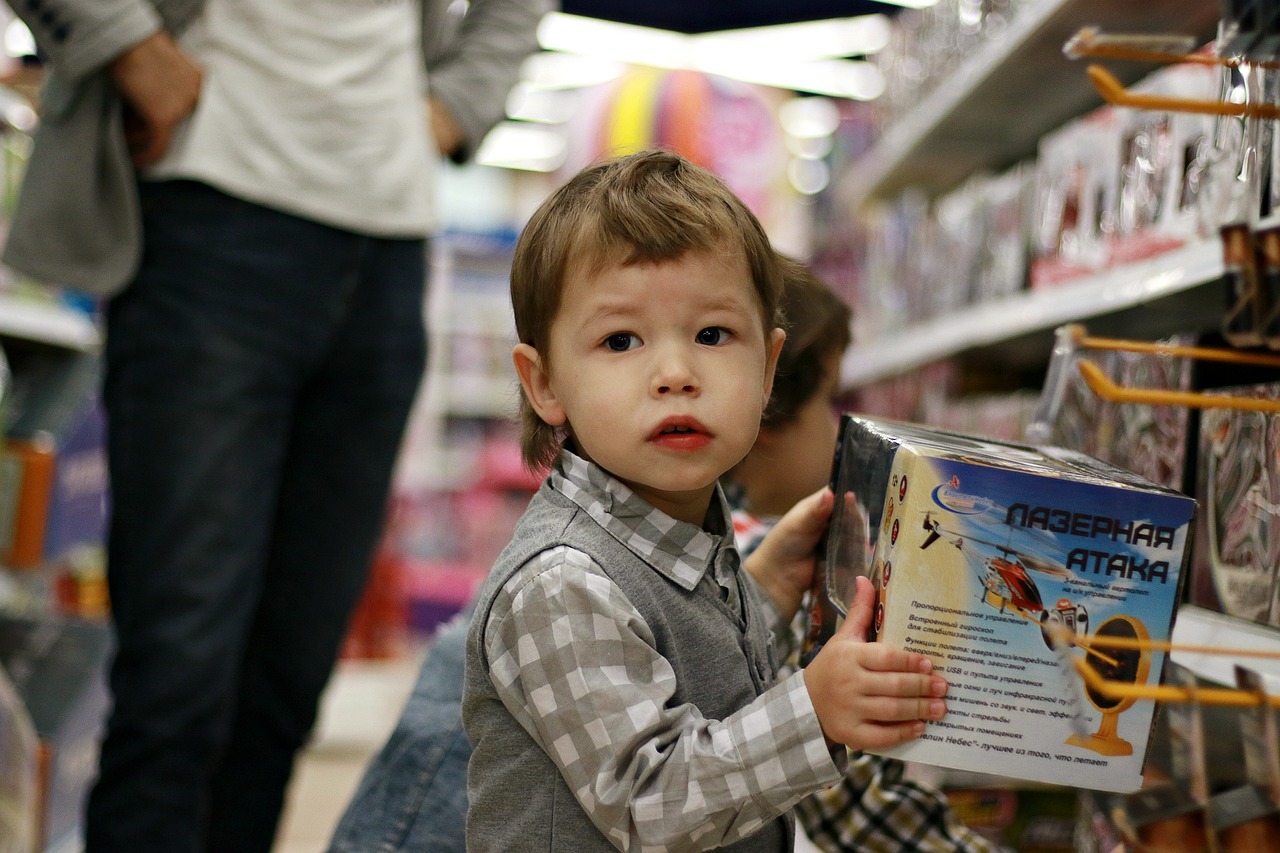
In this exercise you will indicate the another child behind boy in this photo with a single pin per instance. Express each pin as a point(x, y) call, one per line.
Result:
point(620, 687)
point(873, 808)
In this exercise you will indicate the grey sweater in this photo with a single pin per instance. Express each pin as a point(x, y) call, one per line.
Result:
point(518, 799)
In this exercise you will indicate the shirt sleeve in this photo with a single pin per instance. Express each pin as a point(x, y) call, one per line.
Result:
point(576, 664)
point(79, 37)
point(874, 809)
point(473, 64)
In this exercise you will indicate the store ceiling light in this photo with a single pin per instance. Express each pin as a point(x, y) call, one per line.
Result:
point(18, 40)
point(809, 118)
point(516, 145)
point(569, 71)
point(528, 102)
point(837, 78)
point(802, 57)
point(826, 39)
point(575, 34)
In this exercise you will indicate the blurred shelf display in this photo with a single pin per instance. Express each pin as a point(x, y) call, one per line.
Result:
point(1018, 82)
point(999, 199)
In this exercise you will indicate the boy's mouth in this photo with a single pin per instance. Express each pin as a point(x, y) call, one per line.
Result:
point(679, 425)
point(681, 432)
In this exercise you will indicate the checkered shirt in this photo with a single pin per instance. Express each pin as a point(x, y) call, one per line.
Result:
point(574, 662)
point(873, 809)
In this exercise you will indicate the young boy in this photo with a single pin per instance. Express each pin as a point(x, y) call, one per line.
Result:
point(872, 808)
point(619, 680)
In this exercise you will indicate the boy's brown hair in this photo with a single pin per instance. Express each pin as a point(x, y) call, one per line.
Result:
point(644, 208)
point(818, 326)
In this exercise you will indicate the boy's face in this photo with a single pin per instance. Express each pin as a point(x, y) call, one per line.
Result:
point(660, 372)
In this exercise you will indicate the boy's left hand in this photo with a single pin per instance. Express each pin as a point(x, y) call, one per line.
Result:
point(782, 564)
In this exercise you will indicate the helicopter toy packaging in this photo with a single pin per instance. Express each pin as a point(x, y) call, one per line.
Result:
point(1040, 581)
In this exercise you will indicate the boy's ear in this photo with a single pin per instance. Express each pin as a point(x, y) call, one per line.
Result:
point(536, 383)
point(774, 344)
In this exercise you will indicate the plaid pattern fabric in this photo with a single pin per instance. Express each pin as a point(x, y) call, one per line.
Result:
point(872, 809)
point(573, 661)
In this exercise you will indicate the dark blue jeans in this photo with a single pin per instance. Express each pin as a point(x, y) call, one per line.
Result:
point(413, 796)
point(260, 370)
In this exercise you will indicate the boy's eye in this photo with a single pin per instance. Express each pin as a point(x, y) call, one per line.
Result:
point(713, 336)
point(621, 342)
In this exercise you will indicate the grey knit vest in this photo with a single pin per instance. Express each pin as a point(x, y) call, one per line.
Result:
point(518, 799)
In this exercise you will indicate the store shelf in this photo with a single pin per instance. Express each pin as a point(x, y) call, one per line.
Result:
point(48, 322)
point(1143, 283)
point(993, 110)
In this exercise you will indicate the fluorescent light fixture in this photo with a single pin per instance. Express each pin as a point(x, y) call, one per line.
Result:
point(808, 177)
point(790, 56)
point(837, 78)
point(528, 102)
point(512, 145)
point(18, 40)
point(620, 42)
point(825, 39)
point(810, 147)
point(809, 118)
point(19, 114)
point(569, 70)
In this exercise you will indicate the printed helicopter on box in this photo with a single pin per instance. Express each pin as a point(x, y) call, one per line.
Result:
point(1008, 584)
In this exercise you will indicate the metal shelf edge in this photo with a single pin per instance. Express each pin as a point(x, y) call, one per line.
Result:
point(902, 350)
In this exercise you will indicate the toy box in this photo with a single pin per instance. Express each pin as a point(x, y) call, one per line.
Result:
point(982, 553)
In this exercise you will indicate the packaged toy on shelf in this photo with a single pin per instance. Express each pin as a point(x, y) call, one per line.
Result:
point(1148, 439)
point(1014, 568)
point(1077, 176)
point(1236, 569)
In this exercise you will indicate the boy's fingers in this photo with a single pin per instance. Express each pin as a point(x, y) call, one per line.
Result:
point(885, 735)
point(889, 710)
point(817, 508)
point(890, 659)
point(858, 621)
point(903, 685)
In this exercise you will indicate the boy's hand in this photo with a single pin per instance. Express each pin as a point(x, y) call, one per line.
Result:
point(870, 695)
point(782, 564)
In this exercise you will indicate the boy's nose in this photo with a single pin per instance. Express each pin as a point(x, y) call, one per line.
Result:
point(674, 375)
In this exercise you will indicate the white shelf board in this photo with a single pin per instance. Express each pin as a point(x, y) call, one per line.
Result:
point(1196, 626)
point(48, 323)
point(898, 351)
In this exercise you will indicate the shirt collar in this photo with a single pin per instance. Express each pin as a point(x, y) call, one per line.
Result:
point(680, 551)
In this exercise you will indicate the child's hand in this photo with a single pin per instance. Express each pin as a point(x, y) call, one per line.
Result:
point(870, 695)
point(782, 564)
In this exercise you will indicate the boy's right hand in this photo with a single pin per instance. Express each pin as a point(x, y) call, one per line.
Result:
point(870, 695)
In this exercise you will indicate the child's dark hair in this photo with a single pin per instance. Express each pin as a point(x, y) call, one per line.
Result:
point(650, 207)
point(818, 324)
